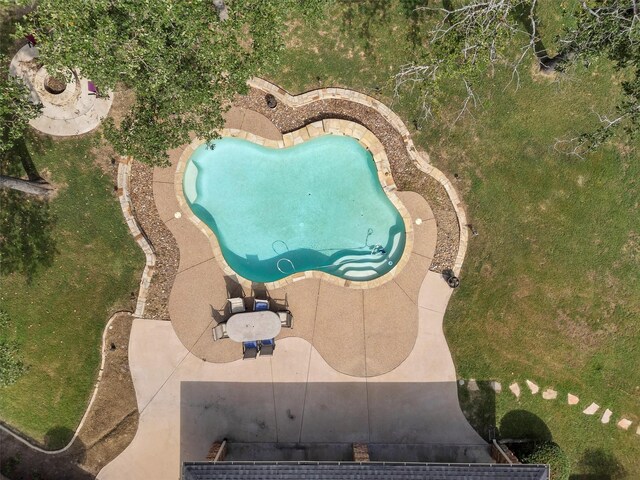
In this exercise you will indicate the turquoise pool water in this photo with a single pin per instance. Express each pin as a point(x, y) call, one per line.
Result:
point(314, 206)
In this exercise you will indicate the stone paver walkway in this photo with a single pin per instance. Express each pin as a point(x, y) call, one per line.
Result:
point(591, 409)
point(532, 387)
point(294, 396)
point(551, 394)
point(515, 389)
point(72, 112)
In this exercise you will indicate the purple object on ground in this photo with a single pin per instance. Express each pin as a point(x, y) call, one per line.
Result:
point(93, 90)
point(31, 40)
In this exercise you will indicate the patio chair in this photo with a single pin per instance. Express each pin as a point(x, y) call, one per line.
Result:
point(267, 347)
point(220, 332)
point(260, 304)
point(249, 350)
point(286, 319)
point(237, 305)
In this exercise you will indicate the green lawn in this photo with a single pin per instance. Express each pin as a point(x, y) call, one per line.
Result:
point(550, 288)
point(596, 451)
point(73, 263)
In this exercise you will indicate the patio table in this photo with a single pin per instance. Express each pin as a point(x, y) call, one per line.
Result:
point(253, 326)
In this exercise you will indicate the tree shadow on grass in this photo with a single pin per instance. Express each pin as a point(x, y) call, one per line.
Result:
point(57, 437)
point(363, 18)
point(368, 15)
point(17, 461)
point(599, 465)
point(521, 424)
point(26, 222)
point(479, 407)
point(26, 240)
point(522, 431)
point(417, 18)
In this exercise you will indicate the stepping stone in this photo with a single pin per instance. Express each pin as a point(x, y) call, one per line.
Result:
point(572, 399)
point(606, 416)
point(549, 394)
point(515, 389)
point(591, 409)
point(496, 386)
point(533, 387)
point(625, 424)
point(472, 385)
point(638, 431)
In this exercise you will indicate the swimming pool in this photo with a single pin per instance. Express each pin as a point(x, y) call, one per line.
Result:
point(314, 206)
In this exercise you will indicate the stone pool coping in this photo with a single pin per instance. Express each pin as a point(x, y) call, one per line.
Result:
point(319, 128)
point(420, 159)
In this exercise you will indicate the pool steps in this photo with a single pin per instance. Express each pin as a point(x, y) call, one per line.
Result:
point(359, 267)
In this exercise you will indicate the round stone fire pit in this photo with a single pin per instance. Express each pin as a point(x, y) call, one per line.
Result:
point(68, 107)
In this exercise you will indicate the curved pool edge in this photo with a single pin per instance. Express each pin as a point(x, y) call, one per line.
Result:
point(420, 158)
point(316, 129)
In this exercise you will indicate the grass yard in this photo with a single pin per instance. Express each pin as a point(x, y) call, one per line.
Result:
point(66, 267)
point(550, 289)
point(534, 418)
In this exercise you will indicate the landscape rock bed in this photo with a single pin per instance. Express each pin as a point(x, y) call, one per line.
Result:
point(161, 239)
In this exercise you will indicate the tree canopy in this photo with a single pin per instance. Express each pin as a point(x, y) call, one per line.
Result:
point(16, 109)
point(468, 38)
point(611, 29)
point(184, 60)
point(550, 453)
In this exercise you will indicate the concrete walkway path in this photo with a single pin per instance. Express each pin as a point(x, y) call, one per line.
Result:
point(295, 396)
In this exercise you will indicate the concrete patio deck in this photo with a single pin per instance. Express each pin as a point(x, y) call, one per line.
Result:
point(358, 332)
point(295, 396)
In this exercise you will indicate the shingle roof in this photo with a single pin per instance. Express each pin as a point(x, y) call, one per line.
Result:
point(359, 471)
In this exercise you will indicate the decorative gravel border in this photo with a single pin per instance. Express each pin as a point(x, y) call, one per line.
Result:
point(328, 126)
point(124, 174)
point(420, 160)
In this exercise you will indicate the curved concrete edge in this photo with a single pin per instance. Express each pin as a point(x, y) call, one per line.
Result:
point(394, 120)
point(333, 126)
point(124, 175)
point(392, 306)
point(29, 443)
point(161, 367)
point(124, 172)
